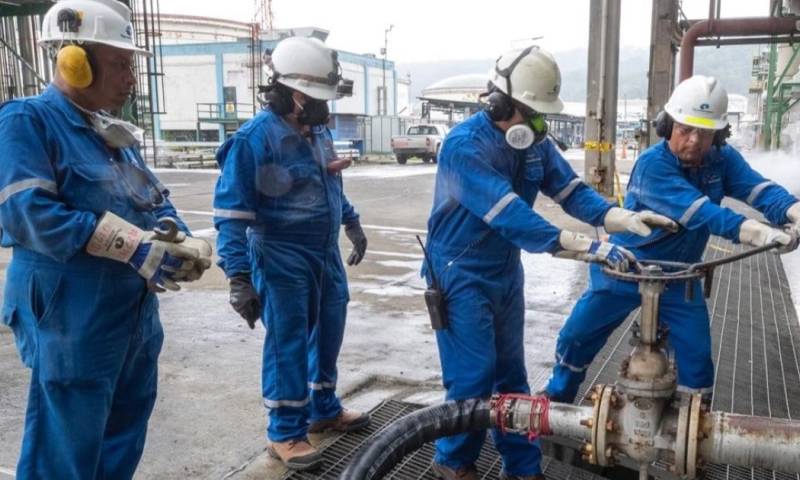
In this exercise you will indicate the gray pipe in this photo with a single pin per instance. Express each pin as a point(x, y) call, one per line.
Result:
point(771, 443)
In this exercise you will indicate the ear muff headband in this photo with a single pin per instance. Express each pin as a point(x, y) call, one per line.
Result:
point(663, 125)
point(500, 105)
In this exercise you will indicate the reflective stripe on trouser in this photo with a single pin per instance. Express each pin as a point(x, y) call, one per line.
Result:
point(92, 339)
point(482, 352)
point(599, 312)
point(304, 294)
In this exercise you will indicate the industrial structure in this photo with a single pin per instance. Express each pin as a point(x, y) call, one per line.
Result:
point(26, 69)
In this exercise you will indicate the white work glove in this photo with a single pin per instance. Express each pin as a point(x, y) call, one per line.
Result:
point(793, 214)
point(620, 220)
point(157, 261)
point(580, 247)
point(756, 234)
point(202, 263)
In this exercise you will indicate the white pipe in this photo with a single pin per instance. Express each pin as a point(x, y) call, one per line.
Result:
point(771, 443)
point(565, 420)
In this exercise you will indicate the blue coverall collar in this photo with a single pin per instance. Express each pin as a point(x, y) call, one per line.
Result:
point(56, 98)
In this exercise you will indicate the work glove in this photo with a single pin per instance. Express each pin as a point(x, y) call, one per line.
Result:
point(580, 247)
point(619, 220)
point(793, 214)
point(356, 236)
point(756, 234)
point(158, 261)
point(244, 299)
point(203, 262)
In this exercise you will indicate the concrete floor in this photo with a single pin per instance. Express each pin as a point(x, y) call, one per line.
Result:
point(209, 420)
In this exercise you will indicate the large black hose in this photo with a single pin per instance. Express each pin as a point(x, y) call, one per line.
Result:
point(388, 447)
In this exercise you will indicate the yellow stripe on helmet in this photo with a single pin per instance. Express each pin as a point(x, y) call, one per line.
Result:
point(698, 122)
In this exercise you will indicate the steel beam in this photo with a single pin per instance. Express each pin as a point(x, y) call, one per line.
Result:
point(661, 75)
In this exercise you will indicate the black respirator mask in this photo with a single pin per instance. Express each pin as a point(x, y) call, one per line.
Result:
point(313, 113)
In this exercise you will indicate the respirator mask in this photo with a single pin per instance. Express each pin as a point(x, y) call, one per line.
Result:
point(532, 131)
point(314, 112)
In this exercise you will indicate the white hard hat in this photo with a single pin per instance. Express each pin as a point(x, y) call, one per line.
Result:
point(699, 101)
point(531, 77)
point(306, 65)
point(91, 21)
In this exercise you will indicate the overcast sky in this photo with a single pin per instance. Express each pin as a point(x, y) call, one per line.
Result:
point(427, 30)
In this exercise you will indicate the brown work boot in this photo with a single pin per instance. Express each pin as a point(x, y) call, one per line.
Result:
point(468, 472)
point(346, 421)
point(296, 454)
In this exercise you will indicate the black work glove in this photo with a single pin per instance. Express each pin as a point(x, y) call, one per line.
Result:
point(356, 236)
point(244, 299)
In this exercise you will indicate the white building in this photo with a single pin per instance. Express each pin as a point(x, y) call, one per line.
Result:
point(212, 69)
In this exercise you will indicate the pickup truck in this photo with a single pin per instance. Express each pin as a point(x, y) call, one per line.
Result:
point(421, 141)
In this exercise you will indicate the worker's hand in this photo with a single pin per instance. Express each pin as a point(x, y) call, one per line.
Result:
point(756, 234)
point(336, 166)
point(244, 299)
point(619, 220)
point(793, 214)
point(158, 261)
point(580, 247)
point(203, 262)
point(356, 236)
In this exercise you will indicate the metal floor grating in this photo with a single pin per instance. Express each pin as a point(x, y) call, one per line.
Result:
point(417, 465)
point(755, 343)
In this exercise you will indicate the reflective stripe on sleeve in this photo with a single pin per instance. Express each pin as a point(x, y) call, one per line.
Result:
point(499, 206)
point(693, 208)
point(237, 214)
point(566, 191)
point(27, 184)
point(757, 191)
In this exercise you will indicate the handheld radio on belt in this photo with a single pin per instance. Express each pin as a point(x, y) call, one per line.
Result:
point(434, 299)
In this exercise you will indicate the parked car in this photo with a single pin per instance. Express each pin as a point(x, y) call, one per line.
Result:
point(422, 141)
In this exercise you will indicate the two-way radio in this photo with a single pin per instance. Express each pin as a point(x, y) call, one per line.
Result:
point(434, 298)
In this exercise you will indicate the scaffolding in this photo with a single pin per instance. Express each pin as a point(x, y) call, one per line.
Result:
point(26, 69)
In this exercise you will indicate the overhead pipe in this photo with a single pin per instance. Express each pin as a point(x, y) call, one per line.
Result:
point(728, 27)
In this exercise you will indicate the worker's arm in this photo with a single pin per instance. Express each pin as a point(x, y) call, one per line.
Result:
point(743, 183)
point(562, 185)
point(474, 183)
point(659, 184)
point(31, 213)
point(235, 200)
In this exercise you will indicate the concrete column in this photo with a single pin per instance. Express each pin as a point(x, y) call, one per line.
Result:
point(663, 46)
point(601, 94)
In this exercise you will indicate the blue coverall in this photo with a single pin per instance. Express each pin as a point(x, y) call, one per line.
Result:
point(692, 197)
point(482, 216)
point(279, 211)
point(87, 327)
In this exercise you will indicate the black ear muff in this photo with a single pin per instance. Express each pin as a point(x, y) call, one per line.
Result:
point(74, 64)
point(721, 136)
point(499, 106)
point(663, 125)
point(279, 98)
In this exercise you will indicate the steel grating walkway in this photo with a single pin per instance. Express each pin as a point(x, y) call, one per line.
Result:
point(756, 339)
point(418, 464)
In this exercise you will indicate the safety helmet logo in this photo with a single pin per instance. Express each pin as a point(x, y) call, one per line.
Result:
point(127, 33)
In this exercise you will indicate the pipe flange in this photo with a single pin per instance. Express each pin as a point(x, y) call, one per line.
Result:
point(693, 436)
point(591, 451)
point(602, 451)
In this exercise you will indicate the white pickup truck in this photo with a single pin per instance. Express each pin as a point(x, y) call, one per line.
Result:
point(421, 141)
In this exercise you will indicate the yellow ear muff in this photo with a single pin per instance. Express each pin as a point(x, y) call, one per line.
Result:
point(73, 64)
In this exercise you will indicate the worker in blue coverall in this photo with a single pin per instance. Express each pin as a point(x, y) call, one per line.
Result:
point(491, 168)
point(79, 207)
point(279, 206)
point(684, 177)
